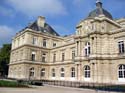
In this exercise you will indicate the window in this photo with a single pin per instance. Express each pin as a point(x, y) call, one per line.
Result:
point(44, 42)
point(122, 71)
point(43, 72)
point(87, 49)
point(33, 56)
point(34, 42)
point(54, 57)
point(62, 72)
point(31, 72)
point(72, 72)
point(44, 57)
point(53, 72)
point(54, 44)
point(73, 54)
point(87, 72)
point(63, 56)
point(121, 47)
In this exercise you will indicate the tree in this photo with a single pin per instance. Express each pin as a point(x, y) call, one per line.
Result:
point(4, 58)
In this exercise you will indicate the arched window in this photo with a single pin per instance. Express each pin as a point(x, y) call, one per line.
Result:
point(62, 72)
point(43, 72)
point(87, 72)
point(121, 71)
point(31, 72)
point(72, 72)
point(53, 72)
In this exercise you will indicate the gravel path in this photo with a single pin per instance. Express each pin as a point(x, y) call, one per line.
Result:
point(49, 89)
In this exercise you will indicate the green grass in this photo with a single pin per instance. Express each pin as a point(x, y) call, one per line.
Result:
point(4, 83)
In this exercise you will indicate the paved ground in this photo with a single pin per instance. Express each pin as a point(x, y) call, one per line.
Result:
point(49, 89)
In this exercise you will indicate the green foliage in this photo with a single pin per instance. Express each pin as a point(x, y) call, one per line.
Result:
point(4, 58)
point(4, 83)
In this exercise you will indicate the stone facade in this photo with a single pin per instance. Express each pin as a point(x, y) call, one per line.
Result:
point(94, 54)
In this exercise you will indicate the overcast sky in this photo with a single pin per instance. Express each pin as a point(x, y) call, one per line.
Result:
point(62, 15)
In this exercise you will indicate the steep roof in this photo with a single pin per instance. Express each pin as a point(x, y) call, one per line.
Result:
point(46, 29)
point(41, 25)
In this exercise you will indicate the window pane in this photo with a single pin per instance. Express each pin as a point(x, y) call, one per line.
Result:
point(124, 73)
point(121, 71)
point(87, 71)
point(120, 74)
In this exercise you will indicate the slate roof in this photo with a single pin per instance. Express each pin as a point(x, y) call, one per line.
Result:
point(99, 11)
point(46, 29)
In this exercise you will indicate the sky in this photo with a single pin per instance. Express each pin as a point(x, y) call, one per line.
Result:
point(62, 15)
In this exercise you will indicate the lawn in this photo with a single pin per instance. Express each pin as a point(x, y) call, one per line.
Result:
point(4, 83)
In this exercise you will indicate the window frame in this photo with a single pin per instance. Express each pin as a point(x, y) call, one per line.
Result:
point(54, 57)
point(43, 72)
point(87, 49)
point(73, 72)
point(31, 72)
point(44, 57)
point(63, 56)
point(62, 72)
point(87, 71)
point(53, 73)
point(34, 41)
point(33, 56)
point(44, 43)
point(121, 47)
point(73, 54)
point(121, 71)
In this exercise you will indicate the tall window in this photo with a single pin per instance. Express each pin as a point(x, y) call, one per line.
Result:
point(54, 57)
point(44, 57)
point(87, 49)
point(62, 72)
point(121, 47)
point(72, 72)
point(63, 56)
point(73, 54)
point(43, 72)
point(53, 72)
point(34, 42)
point(31, 72)
point(33, 56)
point(54, 44)
point(44, 42)
point(122, 71)
point(87, 72)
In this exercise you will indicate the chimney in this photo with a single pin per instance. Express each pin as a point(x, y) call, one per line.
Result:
point(41, 21)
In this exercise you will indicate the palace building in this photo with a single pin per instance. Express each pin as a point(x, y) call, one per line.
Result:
point(95, 53)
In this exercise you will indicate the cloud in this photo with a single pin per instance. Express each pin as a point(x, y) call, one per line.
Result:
point(38, 7)
point(6, 34)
